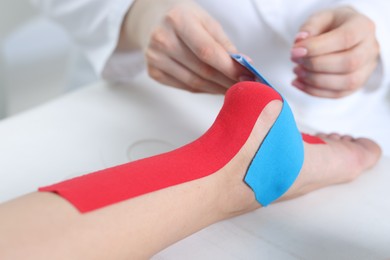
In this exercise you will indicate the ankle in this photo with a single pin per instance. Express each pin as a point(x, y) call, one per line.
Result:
point(236, 197)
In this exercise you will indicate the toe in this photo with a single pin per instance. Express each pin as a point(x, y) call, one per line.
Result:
point(347, 138)
point(370, 152)
point(334, 136)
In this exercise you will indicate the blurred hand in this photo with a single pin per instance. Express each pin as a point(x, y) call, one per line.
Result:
point(336, 51)
point(184, 46)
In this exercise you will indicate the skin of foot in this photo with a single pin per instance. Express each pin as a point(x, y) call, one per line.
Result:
point(341, 159)
point(45, 226)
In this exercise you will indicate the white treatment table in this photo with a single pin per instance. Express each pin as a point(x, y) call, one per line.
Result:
point(101, 126)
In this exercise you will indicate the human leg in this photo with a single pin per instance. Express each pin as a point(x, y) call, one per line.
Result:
point(43, 225)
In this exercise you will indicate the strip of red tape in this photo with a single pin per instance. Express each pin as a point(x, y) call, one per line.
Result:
point(243, 104)
point(312, 139)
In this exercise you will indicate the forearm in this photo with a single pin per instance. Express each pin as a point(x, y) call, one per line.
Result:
point(140, 21)
point(94, 26)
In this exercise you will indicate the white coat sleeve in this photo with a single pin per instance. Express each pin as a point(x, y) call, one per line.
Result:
point(94, 25)
point(378, 12)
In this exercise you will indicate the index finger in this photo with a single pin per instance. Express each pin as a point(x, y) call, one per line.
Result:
point(210, 51)
point(340, 39)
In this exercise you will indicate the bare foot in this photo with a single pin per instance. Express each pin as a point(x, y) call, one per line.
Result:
point(340, 160)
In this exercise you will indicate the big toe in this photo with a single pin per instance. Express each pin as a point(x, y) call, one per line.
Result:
point(369, 152)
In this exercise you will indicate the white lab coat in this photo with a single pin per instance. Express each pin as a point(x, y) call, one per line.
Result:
point(265, 31)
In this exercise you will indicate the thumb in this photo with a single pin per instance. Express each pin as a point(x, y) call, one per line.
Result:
point(316, 24)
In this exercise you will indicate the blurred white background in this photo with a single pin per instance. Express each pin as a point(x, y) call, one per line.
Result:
point(36, 58)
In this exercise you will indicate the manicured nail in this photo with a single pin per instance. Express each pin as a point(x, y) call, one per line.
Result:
point(298, 84)
point(246, 78)
point(301, 73)
point(297, 60)
point(298, 52)
point(247, 57)
point(301, 36)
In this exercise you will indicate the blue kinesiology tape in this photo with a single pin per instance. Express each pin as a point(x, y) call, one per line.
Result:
point(279, 159)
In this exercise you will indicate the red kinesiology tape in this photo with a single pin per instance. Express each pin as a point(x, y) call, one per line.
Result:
point(243, 104)
point(310, 139)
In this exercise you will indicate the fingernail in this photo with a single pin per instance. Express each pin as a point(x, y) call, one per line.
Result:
point(301, 36)
point(298, 84)
point(297, 60)
point(301, 73)
point(246, 78)
point(298, 52)
point(247, 57)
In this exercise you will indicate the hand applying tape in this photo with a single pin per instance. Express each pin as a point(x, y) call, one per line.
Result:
point(274, 167)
